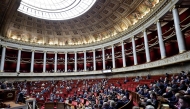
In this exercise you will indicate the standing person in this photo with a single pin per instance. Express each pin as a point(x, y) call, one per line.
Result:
point(4, 85)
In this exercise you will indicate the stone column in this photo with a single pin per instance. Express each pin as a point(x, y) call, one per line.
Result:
point(65, 61)
point(146, 46)
point(123, 54)
point(113, 56)
point(75, 61)
point(94, 59)
point(134, 51)
point(18, 61)
point(32, 62)
point(84, 60)
point(3, 58)
point(179, 35)
point(44, 63)
point(103, 59)
point(161, 42)
point(55, 63)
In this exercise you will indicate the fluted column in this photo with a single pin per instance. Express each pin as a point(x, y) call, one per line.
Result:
point(3, 58)
point(161, 42)
point(113, 56)
point(44, 63)
point(75, 61)
point(84, 60)
point(179, 35)
point(18, 61)
point(94, 59)
point(32, 62)
point(103, 59)
point(134, 51)
point(55, 63)
point(65, 61)
point(123, 54)
point(146, 46)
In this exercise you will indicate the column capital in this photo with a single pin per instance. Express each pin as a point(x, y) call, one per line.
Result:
point(84, 51)
point(133, 38)
point(55, 52)
point(19, 48)
point(33, 50)
point(157, 21)
point(44, 51)
point(102, 48)
point(93, 50)
point(4, 46)
point(65, 52)
point(173, 7)
point(144, 30)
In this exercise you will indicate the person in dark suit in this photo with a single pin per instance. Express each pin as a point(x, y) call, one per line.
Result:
point(168, 93)
point(153, 100)
point(182, 85)
point(173, 100)
point(184, 103)
point(20, 98)
point(4, 85)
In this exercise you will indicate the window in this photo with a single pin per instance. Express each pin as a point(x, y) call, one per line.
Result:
point(55, 9)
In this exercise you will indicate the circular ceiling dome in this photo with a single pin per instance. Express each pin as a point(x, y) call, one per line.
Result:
point(55, 9)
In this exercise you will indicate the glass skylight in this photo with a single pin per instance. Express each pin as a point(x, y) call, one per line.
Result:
point(55, 9)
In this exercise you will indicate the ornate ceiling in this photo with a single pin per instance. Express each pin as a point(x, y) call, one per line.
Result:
point(104, 20)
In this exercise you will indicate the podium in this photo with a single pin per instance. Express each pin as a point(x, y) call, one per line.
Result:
point(7, 95)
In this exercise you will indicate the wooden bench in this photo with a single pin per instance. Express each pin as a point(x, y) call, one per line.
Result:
point(49, 105)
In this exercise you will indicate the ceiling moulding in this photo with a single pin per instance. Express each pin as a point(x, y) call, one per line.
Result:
point(160, 9)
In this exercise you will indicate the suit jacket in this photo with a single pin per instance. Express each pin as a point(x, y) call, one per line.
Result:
point(3, 86)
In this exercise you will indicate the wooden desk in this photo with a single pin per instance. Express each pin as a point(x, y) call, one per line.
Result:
point(16, 106)
point(33, 100)
point(7, 95)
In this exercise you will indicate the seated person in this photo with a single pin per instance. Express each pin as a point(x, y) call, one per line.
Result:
point(154, 100)
point(168, 93)
point(58, 97)
point(43, 84)
point(54, 97)
point(42, 98)
point(184, 103)
point(125, 100)
point(136, 79)
point(173, 100)
point(61, 99)
point(51, 98)
point(57, 91)
point(187, 92)
point(146, 94)
point(182, 85)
